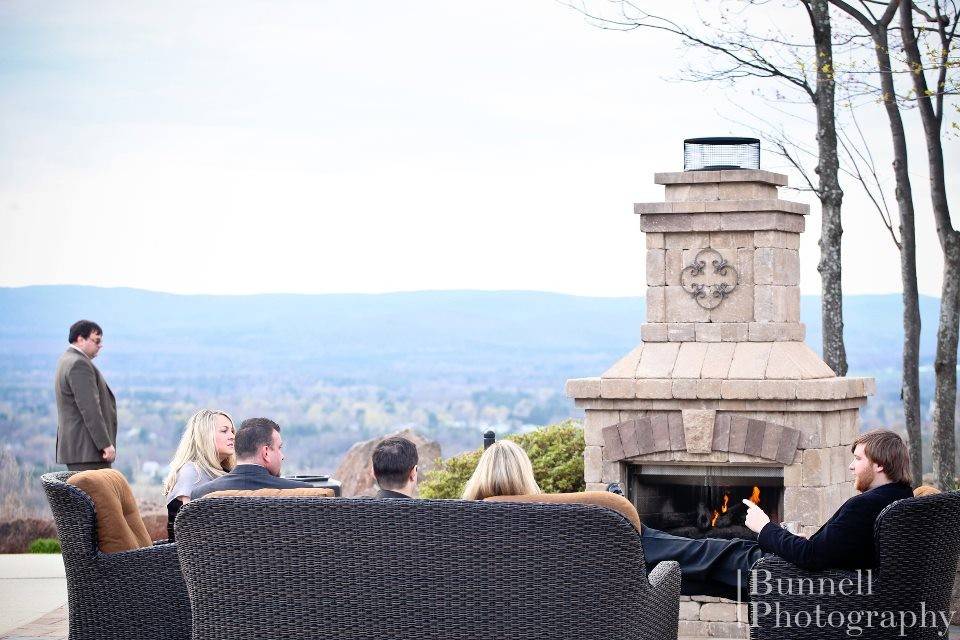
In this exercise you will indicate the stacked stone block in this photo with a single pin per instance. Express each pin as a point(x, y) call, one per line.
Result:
point(707, 616)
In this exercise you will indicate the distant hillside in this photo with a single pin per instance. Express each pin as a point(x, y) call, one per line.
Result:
point(378, 336)
point(371, 337)
point(337, 369)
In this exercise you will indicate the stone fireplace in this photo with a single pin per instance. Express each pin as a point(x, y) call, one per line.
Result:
point(722, 400)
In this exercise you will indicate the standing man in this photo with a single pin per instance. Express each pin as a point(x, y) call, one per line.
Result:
point(395, 468)
point(86, 407)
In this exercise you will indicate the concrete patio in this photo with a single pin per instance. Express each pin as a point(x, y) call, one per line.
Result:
point(33, 597)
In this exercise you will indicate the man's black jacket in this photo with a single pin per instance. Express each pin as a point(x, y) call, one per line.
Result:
point(845, 541)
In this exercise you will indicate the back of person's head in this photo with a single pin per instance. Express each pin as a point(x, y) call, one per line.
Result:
point(83, 329)
point(393, 460)
point(504, 470)
point(198, 445)
point(888, 450)
point(253, 434)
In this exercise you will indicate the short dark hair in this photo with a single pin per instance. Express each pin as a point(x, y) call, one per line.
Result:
point(887, 449)
point(253, 434)
point(83, 329)
point(393, 460)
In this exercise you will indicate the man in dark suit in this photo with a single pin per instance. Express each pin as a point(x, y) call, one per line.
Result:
point(395, 468)
point(259, 450)
point(881, 472)
point(86, 407)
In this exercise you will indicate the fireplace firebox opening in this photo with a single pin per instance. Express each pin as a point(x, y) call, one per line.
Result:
point(703, 501)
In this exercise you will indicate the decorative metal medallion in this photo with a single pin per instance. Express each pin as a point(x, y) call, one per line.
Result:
point(709, 289)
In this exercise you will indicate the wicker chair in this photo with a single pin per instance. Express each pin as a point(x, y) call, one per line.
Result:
point(115, 596)
point(307, 568)
point(918, 546)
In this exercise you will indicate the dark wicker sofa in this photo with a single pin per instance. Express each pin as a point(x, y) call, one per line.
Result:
point(136, 594)
point(918, 546)
point(307, 568)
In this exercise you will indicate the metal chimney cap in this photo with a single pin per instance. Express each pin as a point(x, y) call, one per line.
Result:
point(718, 153)
point(722, 140)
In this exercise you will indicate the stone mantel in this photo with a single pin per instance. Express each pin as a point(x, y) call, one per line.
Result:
point(700, 431)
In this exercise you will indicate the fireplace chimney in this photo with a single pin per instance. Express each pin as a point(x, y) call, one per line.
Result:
point(721, 375)
point(722, 391)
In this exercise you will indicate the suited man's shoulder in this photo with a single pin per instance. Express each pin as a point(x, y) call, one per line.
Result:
point(67, 357)
point(287, 483)
point(246, 481)
point(72, 358)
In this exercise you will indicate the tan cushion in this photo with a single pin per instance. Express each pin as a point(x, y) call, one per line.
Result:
point(600, 498)
point(297, 492)
point(119, 525)
point(925, 490)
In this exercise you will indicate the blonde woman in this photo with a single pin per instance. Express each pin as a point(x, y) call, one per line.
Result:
point(205, 452)
point(504, 470)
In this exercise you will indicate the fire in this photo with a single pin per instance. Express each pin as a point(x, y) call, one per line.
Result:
point(723, 509)
point(754, 498)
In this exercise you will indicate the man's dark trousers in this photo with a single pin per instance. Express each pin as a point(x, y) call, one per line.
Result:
point(87, 466)
point(708, 566)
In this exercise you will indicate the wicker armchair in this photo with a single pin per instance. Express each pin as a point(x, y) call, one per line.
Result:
point(307, 568)
point(116, 596)
point(918, 546)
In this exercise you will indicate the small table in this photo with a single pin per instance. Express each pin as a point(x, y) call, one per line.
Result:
point(319, 482)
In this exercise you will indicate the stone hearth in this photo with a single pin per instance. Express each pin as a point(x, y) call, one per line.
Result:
point(721, 376)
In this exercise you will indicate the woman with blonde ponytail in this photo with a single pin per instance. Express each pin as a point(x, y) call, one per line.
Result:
point(205, 452)
point(504, 470)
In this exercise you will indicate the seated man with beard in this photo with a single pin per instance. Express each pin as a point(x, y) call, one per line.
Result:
point(881, 470)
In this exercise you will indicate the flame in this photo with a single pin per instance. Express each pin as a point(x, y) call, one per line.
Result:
point(723, 509)
point(755, 496)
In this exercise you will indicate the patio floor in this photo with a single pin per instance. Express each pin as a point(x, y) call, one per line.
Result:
point(51, 625)
point(31, 585)
point(33, 596)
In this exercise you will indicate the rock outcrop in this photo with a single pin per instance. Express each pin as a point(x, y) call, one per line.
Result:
point(355, 471)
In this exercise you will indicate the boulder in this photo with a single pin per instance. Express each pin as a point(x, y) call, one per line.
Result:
point(356, 473)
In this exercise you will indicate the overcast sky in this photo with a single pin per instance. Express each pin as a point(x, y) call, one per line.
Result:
point(358, 146)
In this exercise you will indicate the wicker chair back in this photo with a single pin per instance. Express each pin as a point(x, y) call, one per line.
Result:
point(114, 596)
point(918, 547)
point(918, 544)
point(306, 568)
point(73, 514)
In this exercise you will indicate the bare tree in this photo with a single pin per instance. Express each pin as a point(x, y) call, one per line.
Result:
point(829, 191)
point(930, 104)
point(744, 54)
point(877, 27)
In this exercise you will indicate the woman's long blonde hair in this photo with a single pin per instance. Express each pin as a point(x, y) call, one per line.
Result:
point(197, 445)
point(504, 470)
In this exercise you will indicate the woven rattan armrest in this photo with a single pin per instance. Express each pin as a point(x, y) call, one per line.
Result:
point(784, 594)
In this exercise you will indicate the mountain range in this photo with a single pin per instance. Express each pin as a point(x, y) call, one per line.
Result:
point(337, 369)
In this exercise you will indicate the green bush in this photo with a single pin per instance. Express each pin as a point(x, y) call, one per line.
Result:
point(44, 545)
point(556, 452)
